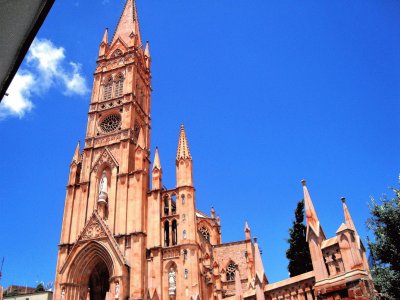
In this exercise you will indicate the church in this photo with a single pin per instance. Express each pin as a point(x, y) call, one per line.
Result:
point(125, 236)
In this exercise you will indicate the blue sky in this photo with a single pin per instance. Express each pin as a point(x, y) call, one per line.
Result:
point(270, 92)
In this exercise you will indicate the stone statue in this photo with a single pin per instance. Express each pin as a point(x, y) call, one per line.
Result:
point(103, 187)
point(63, 294)
point(171, 282)
point(117, 290)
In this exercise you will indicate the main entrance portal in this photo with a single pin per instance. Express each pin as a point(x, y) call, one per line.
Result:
point(99, 282)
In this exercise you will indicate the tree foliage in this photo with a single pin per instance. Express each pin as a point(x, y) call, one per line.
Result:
point(385, 246)
point(39, 288)
point(298, 253)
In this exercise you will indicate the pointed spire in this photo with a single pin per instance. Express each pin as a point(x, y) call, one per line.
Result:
point(347, 216)
point(183, 147)
point(247, 231)
point(105, 37)
point(140, 140)
point(128, 23)
point(349, 221)
point(311, 215)
point(258, 264)
point(156, 163)
point(77, 152)
point(238, 286)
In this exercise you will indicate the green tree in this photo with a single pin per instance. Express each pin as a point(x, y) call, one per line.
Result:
point(298, 253)
point(39, 288)
point(385, 246)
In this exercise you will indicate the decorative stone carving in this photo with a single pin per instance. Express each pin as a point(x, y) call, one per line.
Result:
point(93, 231)
point(106, 157)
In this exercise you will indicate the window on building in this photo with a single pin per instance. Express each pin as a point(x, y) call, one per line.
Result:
point(185, 252)
point(174, 232)
point(127, 241)
point(183, 198)
point(166, 233)
point(166, 206)
point(230, 272)
point(186, 273)
point(107, 90)
point(184, 234)
point(119, 86)
point(204, 231)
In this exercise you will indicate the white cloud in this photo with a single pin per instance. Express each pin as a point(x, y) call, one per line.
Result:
point(19, 103)
point(45, 68)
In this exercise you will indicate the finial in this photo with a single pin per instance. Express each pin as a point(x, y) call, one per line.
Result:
point(255, 240)
point(343, 200)
point(303, 182)
point(212, 212)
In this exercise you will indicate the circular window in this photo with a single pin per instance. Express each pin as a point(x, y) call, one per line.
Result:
point(110, 123)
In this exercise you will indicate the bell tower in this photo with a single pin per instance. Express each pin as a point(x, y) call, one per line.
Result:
point(104, 224)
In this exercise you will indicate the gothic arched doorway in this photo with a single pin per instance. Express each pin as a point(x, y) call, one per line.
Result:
point(99, 282)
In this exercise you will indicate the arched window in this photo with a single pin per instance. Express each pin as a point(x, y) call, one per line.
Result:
point(173, 204)
point(183, 198)
point(119, 86)
point(230, 272)
point(166, 206)
point(107, 90)
point(185, 252)
point(166, 233)
point(174, 232)
point(204, 231)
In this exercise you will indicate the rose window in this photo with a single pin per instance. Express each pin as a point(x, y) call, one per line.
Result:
point(110, 123)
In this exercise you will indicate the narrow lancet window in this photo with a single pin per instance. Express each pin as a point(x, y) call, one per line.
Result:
point(174, 232)
point(119, 86)
point(166, 234)
point(107, 92)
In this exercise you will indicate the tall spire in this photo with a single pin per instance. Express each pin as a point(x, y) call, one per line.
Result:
point(183, 147)
point(128, 23)
point(311, 215)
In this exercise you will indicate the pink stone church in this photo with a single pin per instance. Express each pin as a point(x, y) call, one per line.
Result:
point(124, 236)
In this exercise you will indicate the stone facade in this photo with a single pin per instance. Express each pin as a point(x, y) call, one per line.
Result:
point(125, 236)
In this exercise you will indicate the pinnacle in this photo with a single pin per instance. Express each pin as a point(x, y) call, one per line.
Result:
point(128, 23)
point(311, 215)
point(156, 163)
point(76, 156)
point(183, 147)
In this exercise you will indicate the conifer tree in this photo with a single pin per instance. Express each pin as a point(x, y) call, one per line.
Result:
point(385, 254)
point(298, 253)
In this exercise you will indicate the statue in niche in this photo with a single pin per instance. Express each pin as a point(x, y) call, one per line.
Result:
point(63, 294)
point(103, 187)
point(171, 282)
point(117, 290)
